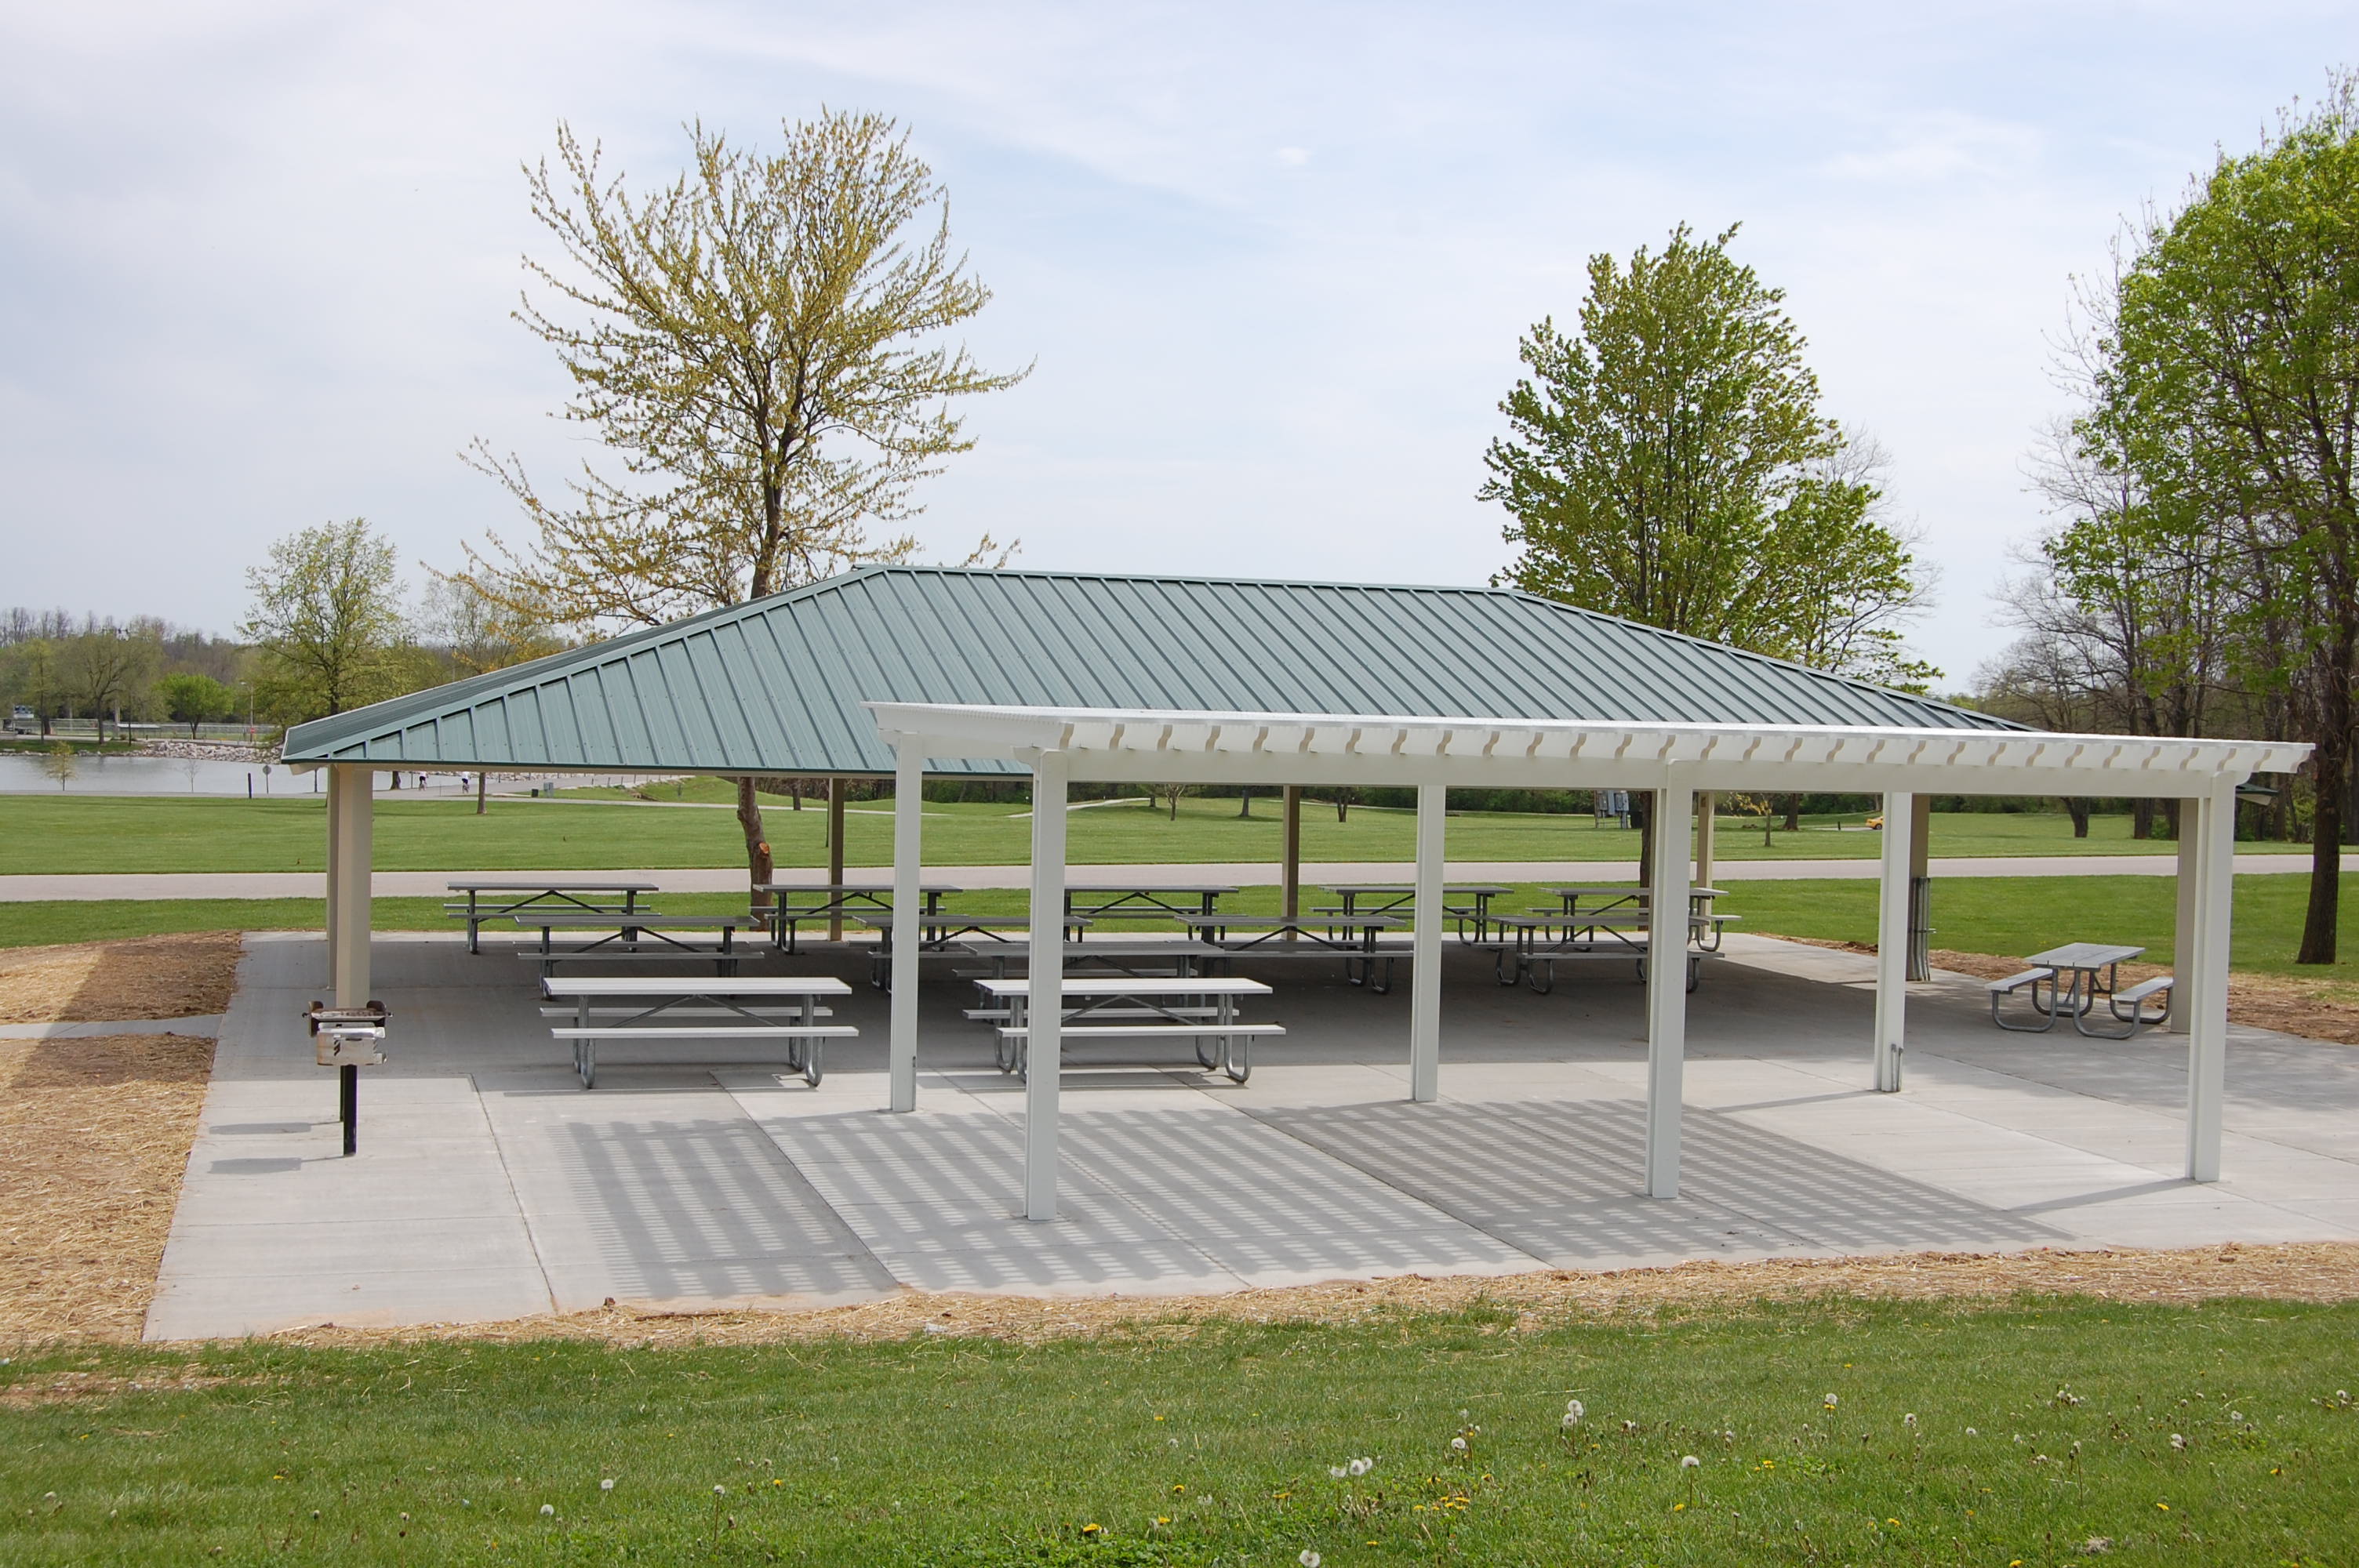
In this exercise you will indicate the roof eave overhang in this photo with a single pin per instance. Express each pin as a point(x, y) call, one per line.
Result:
point(1179, 746)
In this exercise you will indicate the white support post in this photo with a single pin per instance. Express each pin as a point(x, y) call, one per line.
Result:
point(2207, 1021)
point(1667, 987)
point(1891, 941)
point(336, 867)
point(350, 955)
point(908, 933)
point(1425, 948)
point(2186, 983)
point(1707, 837)
point(1043, 1008)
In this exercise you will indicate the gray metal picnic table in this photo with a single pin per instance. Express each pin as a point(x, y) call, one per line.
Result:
point(666, 1012)
point(1703, 925)
point(1393, 898)
point(556, 894)
point(1197, 1007)
point(2094, 968)
point(625, 933)
point(1352, 937)
point(794, 903)
point(1134, 901)
point(945, 934)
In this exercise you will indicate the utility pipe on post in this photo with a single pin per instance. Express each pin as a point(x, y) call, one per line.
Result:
point(1921, 886)
point(2186, 983)
point(1893, 904)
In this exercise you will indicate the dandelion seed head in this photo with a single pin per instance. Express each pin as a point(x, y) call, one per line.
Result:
point(720, 1491)
point(548, 1511)
point(2178, 1442)
point(1573, 1412)
point(1360, 1466)
point(608, 1485)
point(1831, 1401)
point(1972, 1433)
point(1339, 1471)
point(1909, 1421)
point(1309, 1559)
point(1688, 1461)
point(1458, 1445)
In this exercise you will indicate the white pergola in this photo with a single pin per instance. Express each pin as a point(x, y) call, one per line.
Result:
point(1673, 760)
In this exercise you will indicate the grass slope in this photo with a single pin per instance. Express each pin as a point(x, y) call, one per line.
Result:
point(70, 834)
point(2043, 1433)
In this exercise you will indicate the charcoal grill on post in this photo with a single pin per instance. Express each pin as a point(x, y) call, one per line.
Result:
point(347, 1039)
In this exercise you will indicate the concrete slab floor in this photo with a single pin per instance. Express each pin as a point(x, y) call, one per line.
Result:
point(489, 1184)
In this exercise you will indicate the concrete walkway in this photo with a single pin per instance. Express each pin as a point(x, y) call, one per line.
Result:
point(488, 1184)
point(431, 885)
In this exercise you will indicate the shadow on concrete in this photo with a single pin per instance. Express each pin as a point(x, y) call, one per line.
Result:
point(706, 1208)
point(1559, 1180)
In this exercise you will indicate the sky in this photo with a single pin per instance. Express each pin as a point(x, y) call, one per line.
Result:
point(1270, 262)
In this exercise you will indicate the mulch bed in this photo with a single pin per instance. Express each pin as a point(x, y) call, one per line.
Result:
point(180, 976)
point(94, 1137)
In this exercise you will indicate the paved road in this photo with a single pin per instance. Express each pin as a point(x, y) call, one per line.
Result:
point(430, 884)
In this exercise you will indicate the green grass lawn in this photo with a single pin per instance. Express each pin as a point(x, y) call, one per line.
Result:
point(2042, 1432)
point(98, 833)
point(2006, 915)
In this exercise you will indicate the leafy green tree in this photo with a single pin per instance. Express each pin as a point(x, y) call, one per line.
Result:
point(190, 699)
point(29, 675)
point(1669, 463)
point(758, 344)
point(2231, 387)
point(107, 669)
point(327, 620)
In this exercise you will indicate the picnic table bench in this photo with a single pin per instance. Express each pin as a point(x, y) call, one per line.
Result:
point(1130, 900)
point(793, 904)
point(667, 1011)
point(625, 936)
point(2095, 970)
point(1199, 1007)
point(1395, 898)
point(946, 935)
point(1352, 937)
point(582, 896)
point(1704, 927)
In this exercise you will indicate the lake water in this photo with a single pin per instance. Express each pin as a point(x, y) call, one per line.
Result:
point(22, 774)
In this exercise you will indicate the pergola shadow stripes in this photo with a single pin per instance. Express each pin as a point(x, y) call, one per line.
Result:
point(1672, 762)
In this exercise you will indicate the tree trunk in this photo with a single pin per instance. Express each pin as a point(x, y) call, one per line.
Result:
point(757, 846)
point(2078, 809)
point(1793, 814)
point(2334, 758)
point(2141, 820)
point(1245, 801)
point(2171, 822)
point(1341, 807)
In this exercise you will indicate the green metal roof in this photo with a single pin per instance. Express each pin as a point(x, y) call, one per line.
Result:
point(774, 685)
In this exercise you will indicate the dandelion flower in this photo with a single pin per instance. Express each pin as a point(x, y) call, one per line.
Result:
point(2178, 1443)
point(1573, 1412)
point(1831, 1401)
point(1972, 1433)
point(1909, 1421)
point(549, 1510)
point(1689, 1462)
point(608, 1485)
point(1360, 1466)
point(1339, 1471)
point(720, 1491)
point(1309, 1559)
point(1458, 1445)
